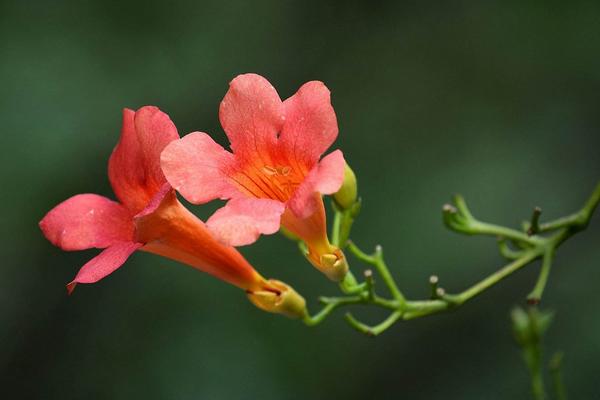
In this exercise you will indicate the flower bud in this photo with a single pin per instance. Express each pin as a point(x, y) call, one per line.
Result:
point(529, 326)
point(346, 196)
point(280, 298)
point(520, 325)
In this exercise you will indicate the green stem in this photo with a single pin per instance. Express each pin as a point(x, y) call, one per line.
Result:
point(349, 285)
point(560, 392)
point(580, 219)
point(335, 229)
point(534, 225)
point(537, 385)
point(370, 285)
point(460, 220)
point(331, 303)
point(373, 330)
point(506, 251)
point(342, 224)
point(345, 227)
point(422, 308)
point(496, 277)
point(533, 358)
point(378, 262)
point(484, 228)
point(416, 309)
point(536, 294)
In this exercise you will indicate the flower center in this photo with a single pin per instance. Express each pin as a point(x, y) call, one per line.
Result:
point(277, 182)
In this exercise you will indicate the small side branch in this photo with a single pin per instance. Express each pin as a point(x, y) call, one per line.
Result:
point(534, 225)
point(377, 261)
point(536, 294)
point(578, 220)
point(331, 303)
point(532, 246)
point(376, 329)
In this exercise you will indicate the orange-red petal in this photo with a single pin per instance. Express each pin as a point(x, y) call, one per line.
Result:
point(251, 115)
point(134, 166)
point(85, 221)
point(198, 168)
point(241, 221)
point(105, 263)
point(310, 124)
point(326, 177)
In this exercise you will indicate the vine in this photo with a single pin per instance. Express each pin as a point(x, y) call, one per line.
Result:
point(521, 247)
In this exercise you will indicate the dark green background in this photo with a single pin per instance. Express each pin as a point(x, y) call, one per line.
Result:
point(497, 101)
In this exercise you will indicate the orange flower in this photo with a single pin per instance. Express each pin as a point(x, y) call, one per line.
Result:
point(275, 176)
point(149, 217)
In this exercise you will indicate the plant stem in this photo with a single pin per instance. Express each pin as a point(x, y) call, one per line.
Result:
point(373, 330)
point(330, 305)
point(484, 228)
point(496, 277)
point(378, 262)
point(537, 385)
point(506, 251)
point(349, 285)
point(336, 228)
point(579, 219)
point(558, 385)
point(460, 220)
point(536, 294)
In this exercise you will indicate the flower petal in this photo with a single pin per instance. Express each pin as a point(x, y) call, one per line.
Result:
point(196, 166)
point(134, 166)
point(85, 221)
point(104, 263)
point(326, 178)
point(251, 115)
point(242, 220)
point(155, 202)
point(310, 123)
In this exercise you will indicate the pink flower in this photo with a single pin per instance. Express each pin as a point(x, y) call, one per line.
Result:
point(149, 217)
point(275, 175)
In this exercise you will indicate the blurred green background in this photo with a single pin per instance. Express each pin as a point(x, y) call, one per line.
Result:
point(498, 101)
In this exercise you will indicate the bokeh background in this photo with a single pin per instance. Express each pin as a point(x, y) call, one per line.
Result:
point(498, 101)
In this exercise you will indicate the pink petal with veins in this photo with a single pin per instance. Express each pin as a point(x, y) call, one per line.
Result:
point(198, 168)
point(85, 221)
point(326, 178)
point(310, 124)
point(134, 166)
point(251, 115)
point(242, 220)
point(104, 263)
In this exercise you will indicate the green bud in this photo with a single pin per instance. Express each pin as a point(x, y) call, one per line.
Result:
point(529, 326)
point(520, 325)
point(346, 196)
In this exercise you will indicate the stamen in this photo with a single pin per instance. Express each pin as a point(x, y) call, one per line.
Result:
point(285, 171)
point(270, 171)
point(273, 182)
point(267, 181)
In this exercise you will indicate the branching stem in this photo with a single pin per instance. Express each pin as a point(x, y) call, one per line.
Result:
point(458, 218)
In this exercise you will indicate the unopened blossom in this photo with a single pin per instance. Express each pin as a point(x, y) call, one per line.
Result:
point(148, 217)
point(274, 176)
